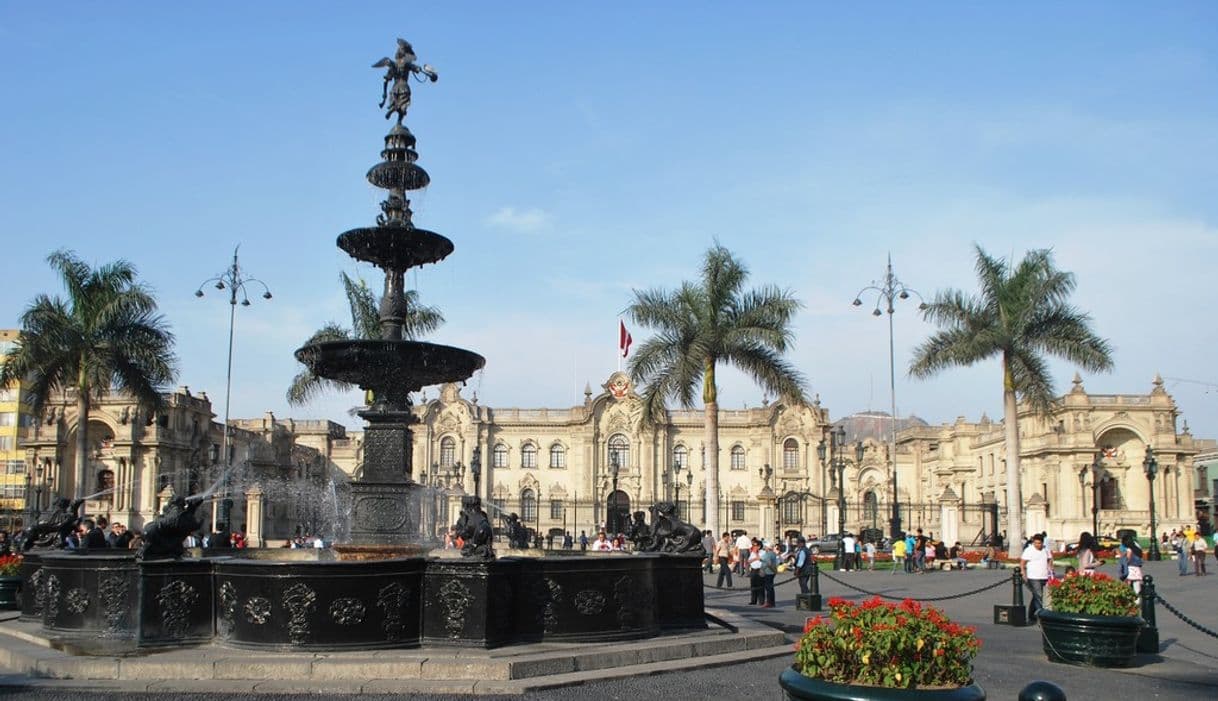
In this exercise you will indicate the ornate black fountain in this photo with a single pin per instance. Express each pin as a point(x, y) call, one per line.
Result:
point(391, 367)
point(393, 593)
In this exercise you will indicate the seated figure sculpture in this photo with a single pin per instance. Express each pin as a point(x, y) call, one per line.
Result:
point(672, 535)
point(475, 529)
point(165, 536)
point(53, 528)
point(640, 533)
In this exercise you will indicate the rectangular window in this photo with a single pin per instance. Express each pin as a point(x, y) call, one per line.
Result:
point(8, 418)
point(6, 443)
point(8, 394)
point(14, 467)
point(737, 510)
point(555, 510)
point(14, 491)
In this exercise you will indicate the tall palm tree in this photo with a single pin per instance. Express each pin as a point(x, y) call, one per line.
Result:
point(106, 335)
point(705, 323)
point(1021, 314)
point(365, 325)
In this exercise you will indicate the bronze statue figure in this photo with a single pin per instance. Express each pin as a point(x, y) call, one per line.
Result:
point(52, 529)
point(518, 535)
point(672, 535)
point(640, 533)
point(475, 529)
point(165, 535)
point(400, 68)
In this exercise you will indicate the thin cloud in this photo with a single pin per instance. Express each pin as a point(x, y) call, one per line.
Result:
point(525, 221)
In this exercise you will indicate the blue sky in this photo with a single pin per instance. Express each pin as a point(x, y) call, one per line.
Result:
point(579, 151)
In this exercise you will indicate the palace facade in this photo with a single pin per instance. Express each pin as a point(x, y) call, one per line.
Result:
point(587, 467)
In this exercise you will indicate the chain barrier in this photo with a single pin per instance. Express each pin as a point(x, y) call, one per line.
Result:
point(986, 588)
point(1184, 618)
point(744, 577)
point(995, 585)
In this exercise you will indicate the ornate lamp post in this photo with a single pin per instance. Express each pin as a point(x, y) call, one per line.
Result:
point(890, 289)
point(1151, 467)
point(859, 451)
point(614, 467)
point(666, 479)
point(689, 495)
point(822, 454)
point(676, 485)
point(475, 469)
point(837, 441)
point(235, 281)
point(1097, 468)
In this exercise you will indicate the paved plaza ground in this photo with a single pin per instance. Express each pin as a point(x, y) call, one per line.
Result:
point(1186, 668)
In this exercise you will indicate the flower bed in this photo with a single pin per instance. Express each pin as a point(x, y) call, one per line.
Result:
point(10, 565)
point(875, 643)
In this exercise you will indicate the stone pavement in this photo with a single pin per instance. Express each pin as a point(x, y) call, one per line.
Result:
point(1186, 667)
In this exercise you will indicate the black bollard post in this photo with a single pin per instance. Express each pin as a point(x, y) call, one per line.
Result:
point(812, 600)
point(1042, 691)
point(1148, 639)
point(1015, 614)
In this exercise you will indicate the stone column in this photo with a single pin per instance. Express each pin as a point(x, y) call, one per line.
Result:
point(949, 517)
point(253, 518)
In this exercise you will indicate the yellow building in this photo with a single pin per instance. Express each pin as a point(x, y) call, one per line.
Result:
point(15, 421)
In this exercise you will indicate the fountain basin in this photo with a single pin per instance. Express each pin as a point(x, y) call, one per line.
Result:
point(404, 366)
point(359, 604)
point(395, 247)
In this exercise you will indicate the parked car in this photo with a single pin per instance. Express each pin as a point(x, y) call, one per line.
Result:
point(828, 544)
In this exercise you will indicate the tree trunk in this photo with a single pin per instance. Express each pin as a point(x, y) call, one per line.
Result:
point(712, 470)
point(1010, 421)
point(79, 488)
point(710, 399)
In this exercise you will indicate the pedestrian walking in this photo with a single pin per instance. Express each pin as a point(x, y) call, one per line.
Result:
point(724, 556)
point(1199, 549)
point(898, 556)
point(1034, 566)
point(769, 569)
point(803, 563)
point(1133, 563)
point(756, 594)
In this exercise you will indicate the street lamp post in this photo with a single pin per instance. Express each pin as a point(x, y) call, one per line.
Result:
point(614, 467)
point(822, 454)
point(890, 289)
point(837, 441)
point(689, 495)
point(676, 486)
point(666, 479)
point(235, 281)
point(475, 469)
point(1151, 467)
point(1097, 467)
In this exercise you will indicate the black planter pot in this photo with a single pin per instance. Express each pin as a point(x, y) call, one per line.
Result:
point(800, 688)
point(1096, 641)
point(10, 592)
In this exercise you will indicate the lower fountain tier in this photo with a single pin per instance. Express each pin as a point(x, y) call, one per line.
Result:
point(96, 600)
point(395, 247)
point(391, 368)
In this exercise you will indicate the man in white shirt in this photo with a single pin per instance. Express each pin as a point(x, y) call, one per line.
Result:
point(743, 543)
point(1034, 566)
point(847, 545)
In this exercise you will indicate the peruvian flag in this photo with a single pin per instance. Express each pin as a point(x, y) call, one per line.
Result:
point(623, 338)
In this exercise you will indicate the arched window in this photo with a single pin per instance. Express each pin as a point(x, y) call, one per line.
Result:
point(499, 456)
point(790, 454)
point(619, 452)
point(448, 452)
point(528, 456)
point(558, 456)
point(737, 457)
point(528, 506)
point(680, 457)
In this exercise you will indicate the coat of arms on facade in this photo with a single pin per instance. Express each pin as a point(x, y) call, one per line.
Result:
point(618, 385)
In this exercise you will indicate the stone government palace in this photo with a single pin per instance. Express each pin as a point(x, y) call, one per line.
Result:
point(554, 467)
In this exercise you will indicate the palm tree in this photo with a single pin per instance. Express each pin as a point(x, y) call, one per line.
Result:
point(702, 324)
point(106, 335)
point(1021, 314)
point(366, 325)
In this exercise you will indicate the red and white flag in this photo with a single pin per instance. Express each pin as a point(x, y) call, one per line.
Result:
point(623, 338)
